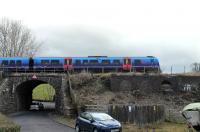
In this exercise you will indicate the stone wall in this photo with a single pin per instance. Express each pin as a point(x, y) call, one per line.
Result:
point(154, 83)
point(6, 98)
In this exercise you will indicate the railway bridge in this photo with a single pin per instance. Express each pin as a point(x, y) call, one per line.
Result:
point(16, 88)
point(16, 91)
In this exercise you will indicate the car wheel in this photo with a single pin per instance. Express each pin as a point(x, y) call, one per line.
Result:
point(95, 130)
point(77, 128)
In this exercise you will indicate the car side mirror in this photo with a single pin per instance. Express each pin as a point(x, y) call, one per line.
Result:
point(91, 121)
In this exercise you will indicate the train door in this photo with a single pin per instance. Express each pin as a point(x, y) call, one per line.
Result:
point(31, 63)
point(127, 64)
point(68, 64)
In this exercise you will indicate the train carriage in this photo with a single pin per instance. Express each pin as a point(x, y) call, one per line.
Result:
point(91, 63)
point(145, 64)
point(97, 63)
point(48, 64)
point(14, 64)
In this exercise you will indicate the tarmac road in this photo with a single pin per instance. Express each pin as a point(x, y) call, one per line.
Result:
point(38, 121)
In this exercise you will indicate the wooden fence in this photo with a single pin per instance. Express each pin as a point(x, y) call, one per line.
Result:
point(140, 115)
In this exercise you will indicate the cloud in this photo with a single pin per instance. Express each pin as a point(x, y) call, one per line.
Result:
point(169, 30)
point(87, 41)
point(78, 41)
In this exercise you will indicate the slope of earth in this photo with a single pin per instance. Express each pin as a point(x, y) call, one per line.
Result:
point(95, 89)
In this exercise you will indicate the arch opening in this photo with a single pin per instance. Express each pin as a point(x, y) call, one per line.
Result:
point(44, 95)
point(165, 82)
point(33, 93)
point(166, 86)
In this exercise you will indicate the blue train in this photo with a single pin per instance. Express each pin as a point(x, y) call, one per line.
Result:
point(90, 63)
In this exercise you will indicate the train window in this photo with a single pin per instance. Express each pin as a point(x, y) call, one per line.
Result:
point(70, 61)
point(12, 62)
point(18, 62)
point(116, 62)
point(78, 62)
point(105, 62)
point(44, 62)
point(143, 61)
point(85, 61)
point(137, 62)
point(127, 61)
point(55, 62)
point(152, 61)
point(94, 62)
point(66, 61)
point(4, 62)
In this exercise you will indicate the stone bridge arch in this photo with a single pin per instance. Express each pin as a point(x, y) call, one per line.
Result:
point(16, 91)
point(23, 93)
point(166, 86)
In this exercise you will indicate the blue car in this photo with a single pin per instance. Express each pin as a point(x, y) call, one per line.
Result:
point(97, 122)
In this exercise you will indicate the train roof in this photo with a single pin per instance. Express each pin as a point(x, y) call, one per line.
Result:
point(80, 57)
point(14, 57)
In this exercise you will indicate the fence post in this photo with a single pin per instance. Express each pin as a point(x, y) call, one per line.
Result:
point(184, 69)
point(103, 70)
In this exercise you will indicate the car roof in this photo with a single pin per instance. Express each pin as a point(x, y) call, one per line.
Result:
point(93, 113)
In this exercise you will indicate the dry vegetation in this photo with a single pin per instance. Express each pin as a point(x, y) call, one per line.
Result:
point(7, 126)
point(94, 89)
point(91, 89)
point(164, 127)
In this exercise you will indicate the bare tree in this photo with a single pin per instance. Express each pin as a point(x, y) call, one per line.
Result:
point(16, 40)
point(196, 67)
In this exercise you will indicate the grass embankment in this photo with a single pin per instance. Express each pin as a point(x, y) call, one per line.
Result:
point(163, 127)
point(8, 126)
point(44, 92)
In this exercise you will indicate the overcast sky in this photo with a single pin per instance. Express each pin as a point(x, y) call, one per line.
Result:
point(167, 29)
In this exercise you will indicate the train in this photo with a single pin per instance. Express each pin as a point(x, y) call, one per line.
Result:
point(90, 63)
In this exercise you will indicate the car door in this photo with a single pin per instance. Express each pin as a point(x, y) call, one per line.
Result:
point(88, 123)
point(82, 121)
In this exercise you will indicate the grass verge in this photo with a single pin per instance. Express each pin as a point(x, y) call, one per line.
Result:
point(63, 120)
point(163, 127)
point(8, 126)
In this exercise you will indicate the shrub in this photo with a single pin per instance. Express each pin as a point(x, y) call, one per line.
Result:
point(8, 126)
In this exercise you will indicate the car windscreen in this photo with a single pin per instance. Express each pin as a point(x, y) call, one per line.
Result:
point(101, 116)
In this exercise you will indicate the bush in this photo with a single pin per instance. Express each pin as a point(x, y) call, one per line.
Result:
point(8, 126)
point(80, 79)
point(10, 129)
